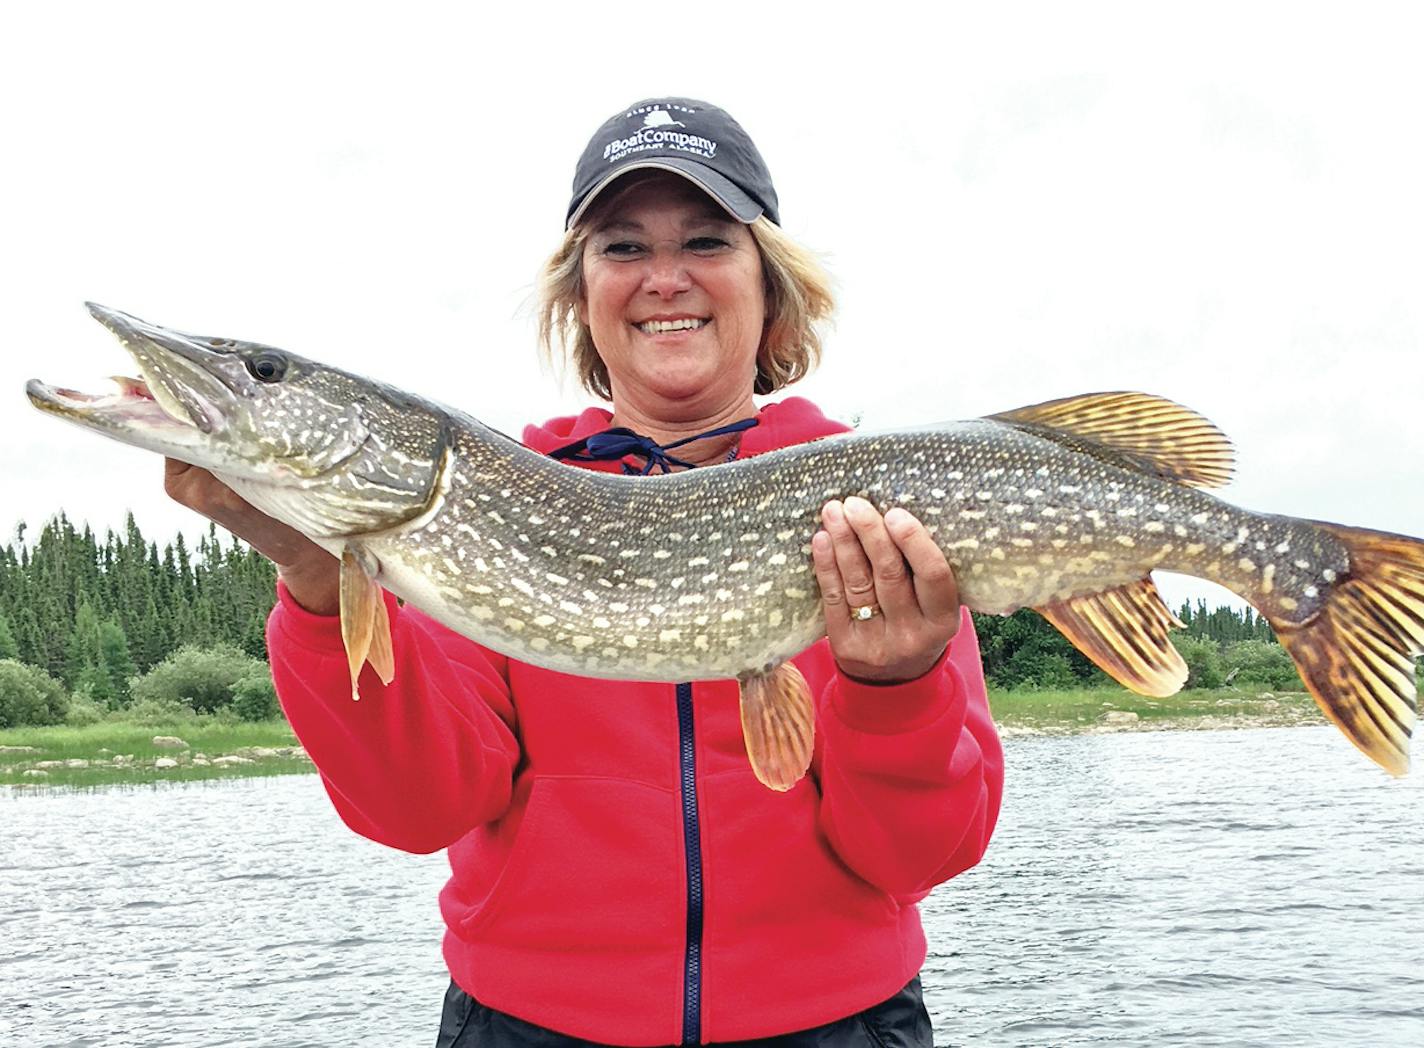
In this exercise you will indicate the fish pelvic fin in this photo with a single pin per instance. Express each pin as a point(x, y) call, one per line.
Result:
point(1124, 631)
point(1356, 654)
point(778, 725)
point(1138, 430)
point(365, 624)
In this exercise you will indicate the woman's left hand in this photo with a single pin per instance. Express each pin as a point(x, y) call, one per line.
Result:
point(890, 565)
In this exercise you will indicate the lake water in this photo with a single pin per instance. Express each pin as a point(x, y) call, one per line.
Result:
point(1257, 887)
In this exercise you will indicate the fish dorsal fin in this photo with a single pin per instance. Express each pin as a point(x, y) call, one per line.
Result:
point(1151, 433)
point(1124, 631)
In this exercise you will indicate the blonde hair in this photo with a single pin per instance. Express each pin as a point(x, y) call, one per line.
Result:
point(798, 300)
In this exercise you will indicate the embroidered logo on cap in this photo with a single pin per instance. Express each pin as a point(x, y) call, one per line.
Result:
point(661, 118)
point(657, 133)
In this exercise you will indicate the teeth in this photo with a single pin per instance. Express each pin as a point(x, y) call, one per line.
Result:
point(657, 327)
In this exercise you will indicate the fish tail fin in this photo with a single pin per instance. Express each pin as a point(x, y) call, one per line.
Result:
point(1356, 654)
point(778, 725)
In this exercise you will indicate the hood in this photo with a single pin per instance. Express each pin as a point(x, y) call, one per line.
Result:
point(794, 420)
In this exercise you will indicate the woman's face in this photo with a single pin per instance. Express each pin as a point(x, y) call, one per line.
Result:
point(674, 298)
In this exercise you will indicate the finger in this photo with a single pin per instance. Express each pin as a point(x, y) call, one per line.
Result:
point(936, 591)
point(894, 591)
point(856, 579)
point(828, 576)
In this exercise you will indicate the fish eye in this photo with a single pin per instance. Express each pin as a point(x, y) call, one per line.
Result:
point(267, 367)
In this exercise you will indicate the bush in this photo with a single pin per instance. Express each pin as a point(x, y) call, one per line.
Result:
point(153, 713)
point(29, 696)
point(1040, 671)
point(83, 711)
point(254, 698)
point(1261, 663)
point(202, 679)
point(1203, 658)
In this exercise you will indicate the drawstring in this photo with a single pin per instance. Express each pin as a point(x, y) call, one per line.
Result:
point(613, 444)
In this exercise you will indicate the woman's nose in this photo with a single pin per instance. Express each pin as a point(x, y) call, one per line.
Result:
point(667, 271)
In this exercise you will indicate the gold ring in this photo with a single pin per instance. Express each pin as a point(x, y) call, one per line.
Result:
point(865, 612)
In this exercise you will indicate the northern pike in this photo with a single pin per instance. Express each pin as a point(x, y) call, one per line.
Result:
point(1064, 507)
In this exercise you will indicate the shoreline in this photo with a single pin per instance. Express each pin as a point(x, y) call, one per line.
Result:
point(115, 753)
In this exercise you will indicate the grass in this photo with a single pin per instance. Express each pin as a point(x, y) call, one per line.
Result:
point(1065, 712)
point(268, 745)
point(271, 748)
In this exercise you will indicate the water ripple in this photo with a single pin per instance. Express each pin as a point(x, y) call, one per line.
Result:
point(1234, 888)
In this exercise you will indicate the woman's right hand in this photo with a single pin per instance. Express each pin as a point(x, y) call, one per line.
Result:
point(310, 573)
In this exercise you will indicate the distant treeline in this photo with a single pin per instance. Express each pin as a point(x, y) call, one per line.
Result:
point(93, 613)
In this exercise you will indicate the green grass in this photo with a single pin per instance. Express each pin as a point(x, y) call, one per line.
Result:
point(99, 743)
point(1018, 712)
point(1073, 711)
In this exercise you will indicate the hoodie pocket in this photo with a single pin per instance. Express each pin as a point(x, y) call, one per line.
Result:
point(595, 860)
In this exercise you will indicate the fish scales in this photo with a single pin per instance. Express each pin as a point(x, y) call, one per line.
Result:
point(708, 572)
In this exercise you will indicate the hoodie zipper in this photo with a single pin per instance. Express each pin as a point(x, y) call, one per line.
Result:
point(692, 844)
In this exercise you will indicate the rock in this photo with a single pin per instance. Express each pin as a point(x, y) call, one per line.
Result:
point(104, 751)
point(21, 750)
point(165, 762)
point(169, 742)
point(231, 759)
point(264, 752)
point(1266, 695)
point(76, 762)
point(200, 756)
point(1120, 717)
point(120, 760)
point(201, 762)
point(300, 753)
point(35, 773)
point(49, 764)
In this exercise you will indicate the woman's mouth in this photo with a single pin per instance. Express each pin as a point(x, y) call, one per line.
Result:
point(662, 327)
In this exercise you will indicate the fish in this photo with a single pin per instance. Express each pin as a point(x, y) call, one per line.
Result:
point(1066, 507)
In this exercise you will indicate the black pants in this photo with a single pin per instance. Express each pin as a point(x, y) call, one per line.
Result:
point(900, 1022)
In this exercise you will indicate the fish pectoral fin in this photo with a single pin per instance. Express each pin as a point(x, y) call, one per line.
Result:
point(1124, 631)
point(778, 725)
point(381, 657)
point(365, 625)
point(1148, 433)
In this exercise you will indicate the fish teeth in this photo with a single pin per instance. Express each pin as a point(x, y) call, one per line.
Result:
point(657, 327)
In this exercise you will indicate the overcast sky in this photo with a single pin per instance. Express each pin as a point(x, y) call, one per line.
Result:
point(1216, 202)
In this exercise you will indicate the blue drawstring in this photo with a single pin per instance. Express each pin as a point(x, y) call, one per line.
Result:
point(618, 442)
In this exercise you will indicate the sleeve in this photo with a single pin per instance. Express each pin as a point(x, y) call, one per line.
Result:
point(417, 763)
point(911, 774)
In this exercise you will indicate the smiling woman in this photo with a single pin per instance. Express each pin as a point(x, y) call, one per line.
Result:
point(619, 875)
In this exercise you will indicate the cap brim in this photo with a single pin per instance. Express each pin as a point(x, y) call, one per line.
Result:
point(736, 203)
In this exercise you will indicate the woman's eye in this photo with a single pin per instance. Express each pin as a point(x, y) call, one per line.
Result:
point(705, 244)
point(622, 249)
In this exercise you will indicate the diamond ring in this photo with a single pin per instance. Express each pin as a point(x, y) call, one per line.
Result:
point(865, 612)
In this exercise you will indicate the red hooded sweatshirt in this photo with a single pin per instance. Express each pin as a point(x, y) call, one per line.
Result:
point(618, 874)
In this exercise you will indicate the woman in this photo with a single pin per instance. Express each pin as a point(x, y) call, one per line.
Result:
point(618, 875)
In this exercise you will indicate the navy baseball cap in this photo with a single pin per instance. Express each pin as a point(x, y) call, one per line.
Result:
point(693, 139)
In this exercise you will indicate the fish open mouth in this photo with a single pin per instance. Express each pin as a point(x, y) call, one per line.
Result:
point(131, 406)
point(176, 394)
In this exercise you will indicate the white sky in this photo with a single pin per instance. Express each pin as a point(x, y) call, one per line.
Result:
point(1220, 203)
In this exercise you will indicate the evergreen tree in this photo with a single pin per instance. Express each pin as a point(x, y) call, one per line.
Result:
point(9, 647)
point(115, 660)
